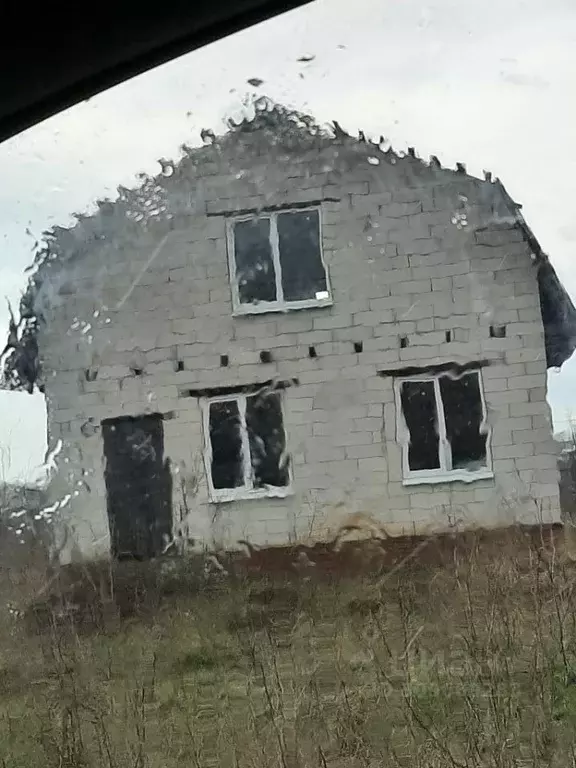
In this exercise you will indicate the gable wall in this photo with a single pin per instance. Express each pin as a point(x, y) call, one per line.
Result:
point(410, 250)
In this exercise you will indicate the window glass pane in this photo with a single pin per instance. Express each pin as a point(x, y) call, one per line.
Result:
point(419, 408)
point(267, 440)
point(463, 416)
point(227, 469)
point(255, 272)
point(303, 275)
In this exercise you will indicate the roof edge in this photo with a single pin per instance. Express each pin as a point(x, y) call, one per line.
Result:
point(558, 310)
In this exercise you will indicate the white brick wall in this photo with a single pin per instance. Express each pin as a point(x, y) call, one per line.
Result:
point(397, 266)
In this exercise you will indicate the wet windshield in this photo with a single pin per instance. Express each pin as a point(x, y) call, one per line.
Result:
point(287, 463)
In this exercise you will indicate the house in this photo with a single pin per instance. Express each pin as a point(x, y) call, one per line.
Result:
point(286, 328)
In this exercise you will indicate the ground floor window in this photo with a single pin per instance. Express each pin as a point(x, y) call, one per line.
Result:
point(442, 427)
point(246, 451)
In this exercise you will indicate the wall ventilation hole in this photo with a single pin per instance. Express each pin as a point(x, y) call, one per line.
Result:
point(179, 365)
point(91, 374)
point(497, 331)
point(224, 361)
point(358, 346)
point(137, 371)
point(403, 342)
point(448, 336)
point(265, 356)
point(312, 352)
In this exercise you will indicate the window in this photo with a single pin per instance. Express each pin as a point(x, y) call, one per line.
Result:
point(276, 261)
point(246, 446)
point(442, 428)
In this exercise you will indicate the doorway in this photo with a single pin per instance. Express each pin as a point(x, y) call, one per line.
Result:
point(138, 486)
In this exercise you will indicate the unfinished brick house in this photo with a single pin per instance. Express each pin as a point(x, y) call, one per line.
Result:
point(289, 327)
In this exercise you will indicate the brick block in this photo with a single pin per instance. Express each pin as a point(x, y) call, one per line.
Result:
point(367, 424)
point(421, 246)
point(524, 355)
point(351, 438)
point(497, 371)
point(429, 500)
point(518, 451)
point(540, 408)
point(541, 435)
point(300, 404)
point(328, 322)
point(373, 317)
point(338, 362)
point(434, 338)
point(426, 324)
point(532, 314)
point(355, 188)
point(324, 454)
point(408, 195)
point(371, 464)
point(318, 337)
point(546, 491)
point(373, 450)
point(503, 466)
point(390, 302)
point(397, 209)
point(520, 425)
point(511, 396)
point(315, 377)
point(497, 385)
point(416, 355)
point(545, 461)
point(416, 310)
point(404, 235)
point(428, 260)
point(531, 381)
point(537, 367)
point(381, 358)
point(416, 287)
point(439, 283)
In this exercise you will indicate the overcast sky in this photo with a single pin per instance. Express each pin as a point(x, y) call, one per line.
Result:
point(487, 83)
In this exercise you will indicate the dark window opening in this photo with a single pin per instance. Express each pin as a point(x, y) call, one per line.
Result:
point(224, 361)
point(302, 271)
point(403, 342)
point(227, 468)
point(267, 440)
point(358, 346)
point(419, 409)
point(265, 356)
point(312, 352)
point(179, 366)
point(255, 273)
point(444, 417)
point(278, 258)
point(248, 443)
point(448, 336)
point(464, 415)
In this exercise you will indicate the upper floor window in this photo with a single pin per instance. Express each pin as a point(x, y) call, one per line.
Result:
point(276, 261)
point(442, 427)
point(246, 454)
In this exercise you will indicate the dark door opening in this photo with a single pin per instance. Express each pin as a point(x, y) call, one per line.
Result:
point(138, 486)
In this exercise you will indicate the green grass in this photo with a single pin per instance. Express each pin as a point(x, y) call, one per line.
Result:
point(471, 664)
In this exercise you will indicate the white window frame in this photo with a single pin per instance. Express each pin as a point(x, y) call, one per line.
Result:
point(443, 474)
point(280, 305)
point(246, 491)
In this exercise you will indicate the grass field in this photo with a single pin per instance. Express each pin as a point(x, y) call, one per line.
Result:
point(468, 663)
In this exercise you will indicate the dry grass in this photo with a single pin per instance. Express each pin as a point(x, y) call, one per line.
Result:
point(469, 664)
